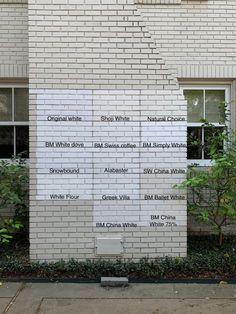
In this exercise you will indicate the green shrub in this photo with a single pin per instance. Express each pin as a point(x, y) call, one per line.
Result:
point(14, 186)
point(213, 189)
point(204, 261)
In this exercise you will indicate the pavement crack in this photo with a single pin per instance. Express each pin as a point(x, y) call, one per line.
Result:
point(22, 287)
point(38, 311)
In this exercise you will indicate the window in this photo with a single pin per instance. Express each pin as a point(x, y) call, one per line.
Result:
point(14, 117)
point(204, 103)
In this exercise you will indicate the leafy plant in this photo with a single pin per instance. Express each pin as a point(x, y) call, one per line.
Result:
point(213, 189)
point(204, 260)
point(8, 227)
point(13, 197)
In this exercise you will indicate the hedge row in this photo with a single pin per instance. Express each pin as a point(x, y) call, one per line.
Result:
point(198, 265)
point(204, 260)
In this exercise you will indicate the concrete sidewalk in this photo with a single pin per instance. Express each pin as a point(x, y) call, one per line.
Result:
point(72, 298)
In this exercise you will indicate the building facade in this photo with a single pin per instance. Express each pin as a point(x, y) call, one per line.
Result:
point(114, 88)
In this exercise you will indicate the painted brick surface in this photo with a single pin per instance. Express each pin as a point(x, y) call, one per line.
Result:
point(90, 60)
point(121, 58)
point(158, 1)
point(197, 38)
point(92, 46)
point(13, 1)
point(13, 40)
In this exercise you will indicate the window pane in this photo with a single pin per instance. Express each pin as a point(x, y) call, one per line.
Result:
point(215, 105)
point(21, 104)
point(211, 135)
point(194, 150)
point(22, 140)
point(195, 104)
point(5, 104)
point(6, 141)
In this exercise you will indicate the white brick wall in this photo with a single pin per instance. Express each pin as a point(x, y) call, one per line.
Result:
point(13, 40)
point(158, 1)
point(13, 1)
point(92, 46)
point(197, 38)
point(95, 59)
point(113, 50)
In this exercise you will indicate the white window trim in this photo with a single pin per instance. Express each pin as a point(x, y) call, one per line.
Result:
point(207, 86)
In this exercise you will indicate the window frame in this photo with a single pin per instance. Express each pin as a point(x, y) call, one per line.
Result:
point(204, 87)
point(12, 122)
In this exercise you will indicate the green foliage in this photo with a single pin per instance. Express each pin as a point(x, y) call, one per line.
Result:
point(8, 226)
point(213, 189)
point(205, 259)
point(14, 181)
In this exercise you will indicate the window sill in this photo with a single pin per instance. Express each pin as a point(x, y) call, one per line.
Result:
point(199, 163)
